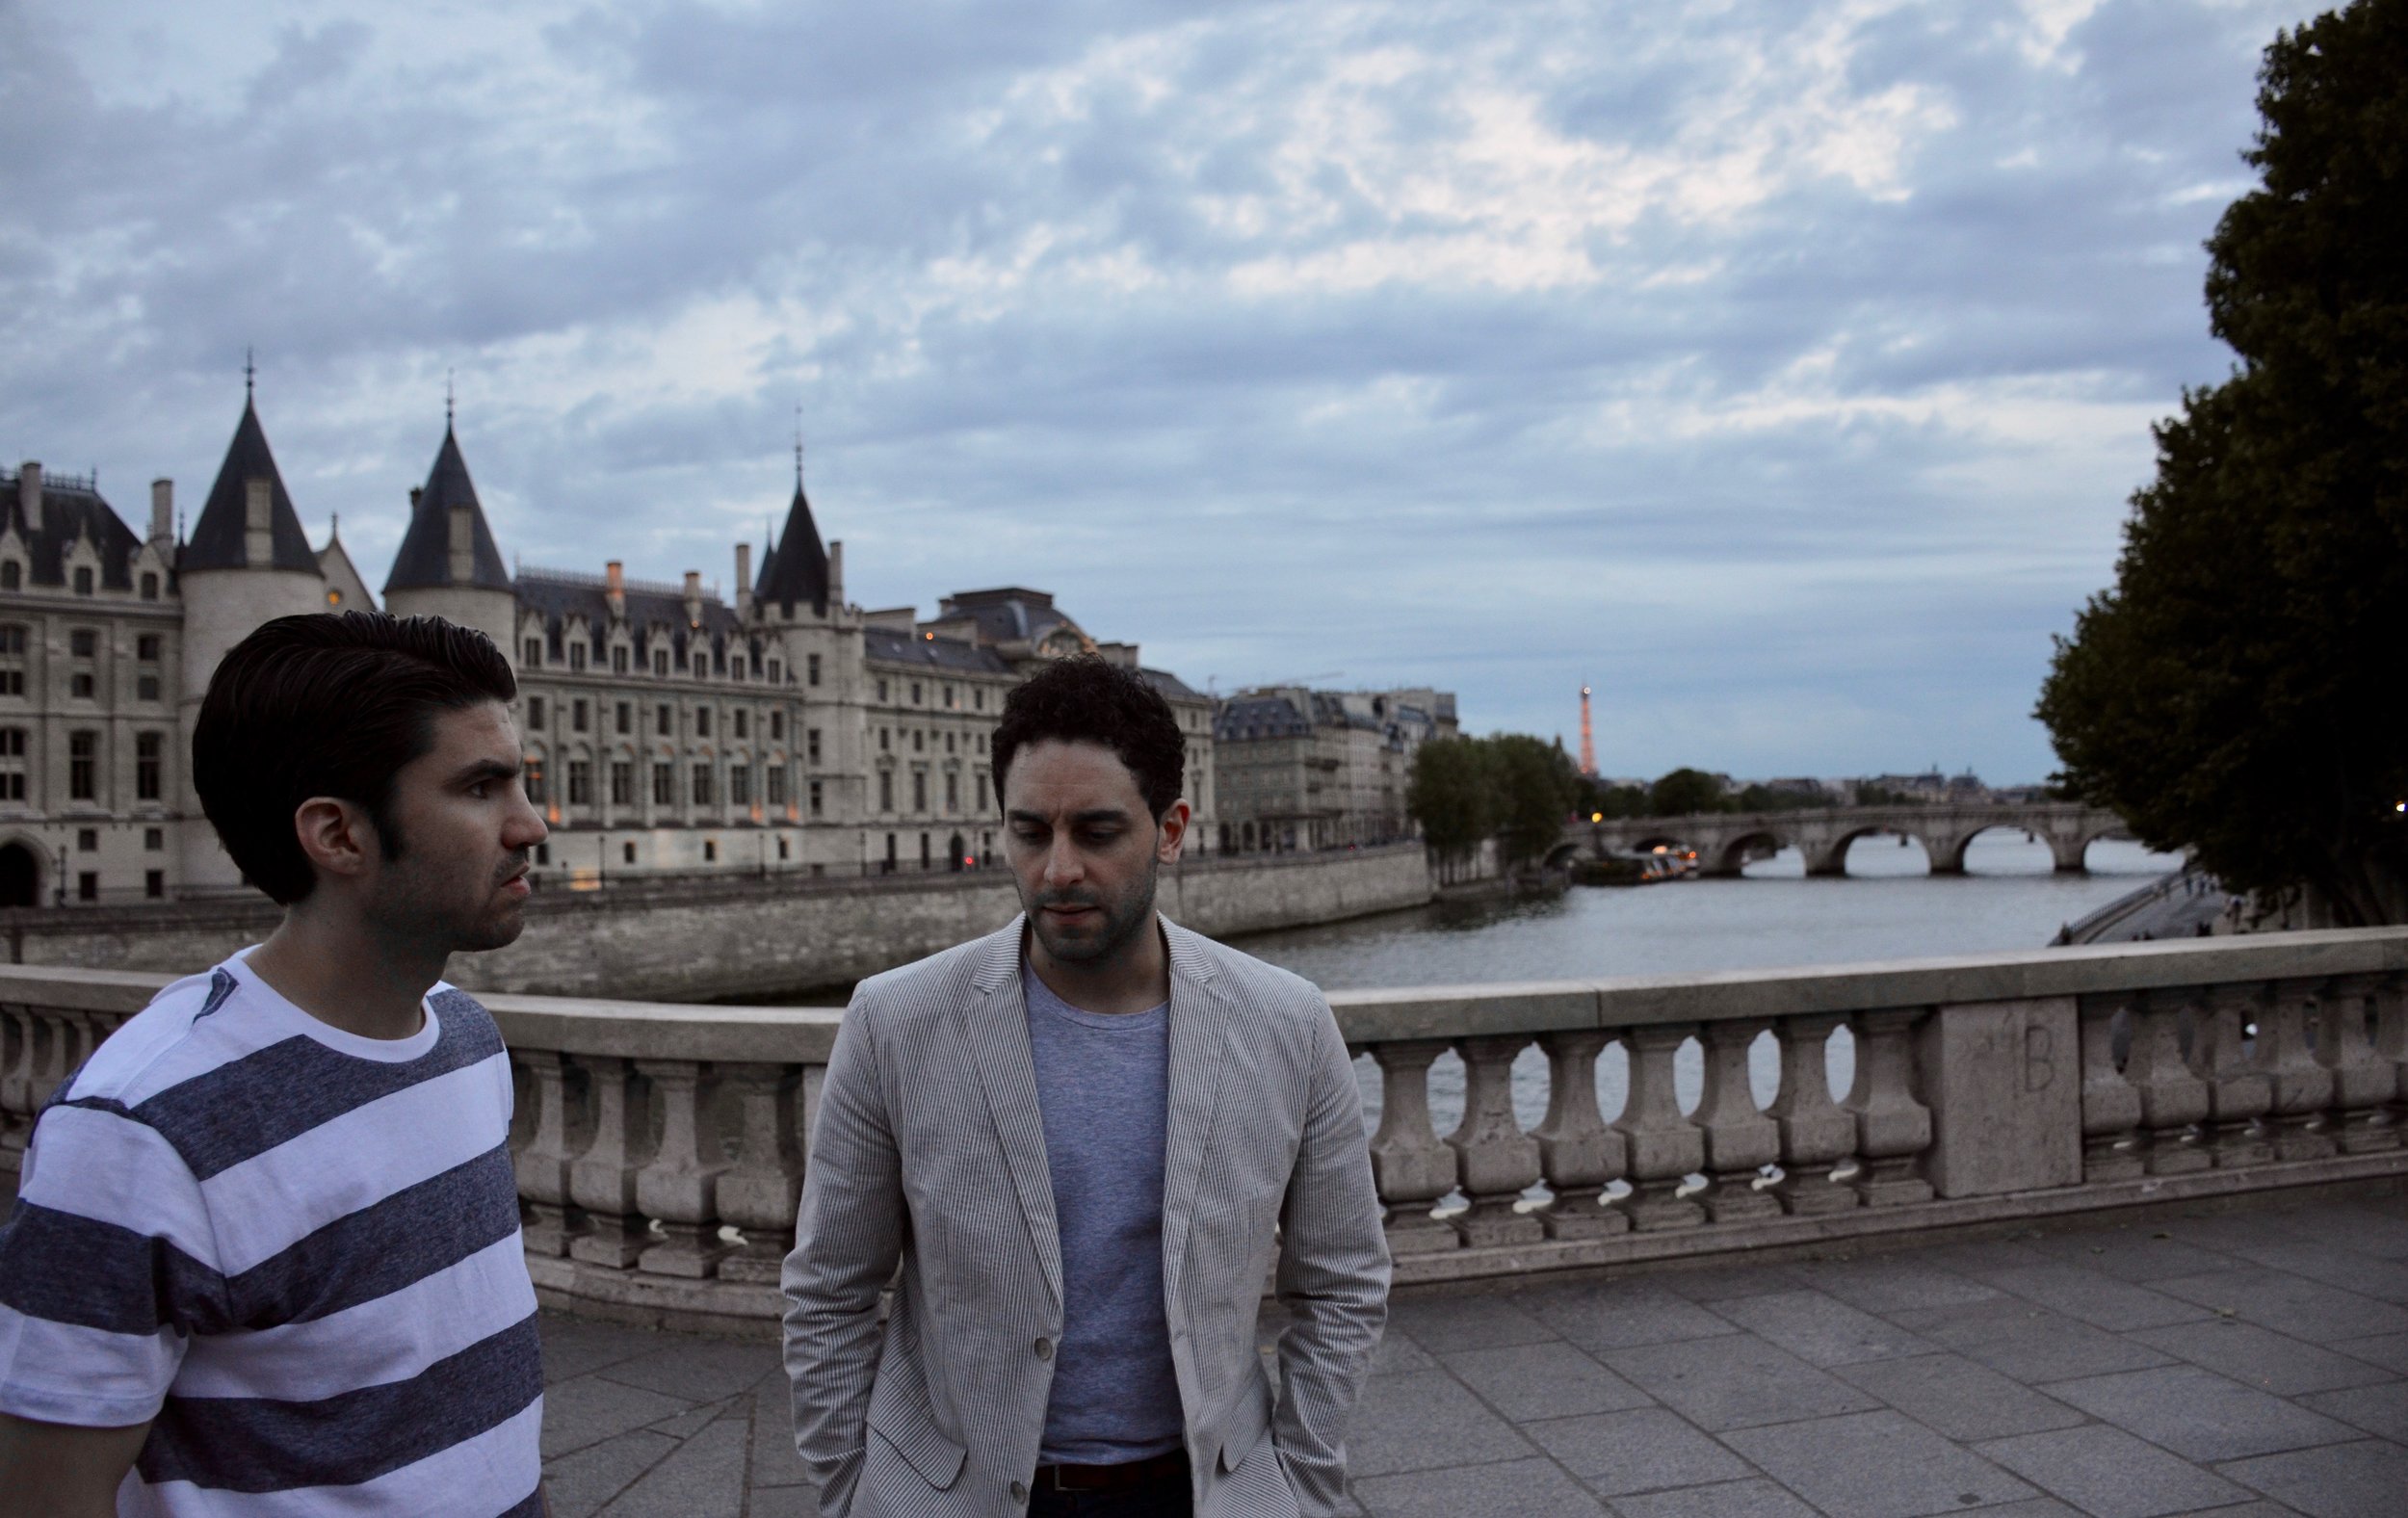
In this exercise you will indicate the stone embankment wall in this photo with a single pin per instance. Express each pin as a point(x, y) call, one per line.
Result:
point(692, 940)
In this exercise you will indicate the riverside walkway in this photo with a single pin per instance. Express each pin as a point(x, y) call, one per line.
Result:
point(2248, 1364)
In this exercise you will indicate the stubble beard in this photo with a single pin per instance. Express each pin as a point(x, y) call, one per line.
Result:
point(428, 912)
point(1124, 920)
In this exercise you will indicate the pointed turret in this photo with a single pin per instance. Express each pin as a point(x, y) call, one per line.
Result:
point(449, 565)
point(249, 522)
point(448, 542)
point(795, 572)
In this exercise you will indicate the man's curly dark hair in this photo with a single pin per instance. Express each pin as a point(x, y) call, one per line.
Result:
point(1086, 699)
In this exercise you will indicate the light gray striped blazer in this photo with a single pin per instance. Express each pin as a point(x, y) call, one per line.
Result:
point(928, 1152)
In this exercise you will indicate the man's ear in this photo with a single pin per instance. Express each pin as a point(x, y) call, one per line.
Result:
point(335, 834)
point(1172, 832)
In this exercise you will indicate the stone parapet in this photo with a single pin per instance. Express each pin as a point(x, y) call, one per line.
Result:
point(659, 1149)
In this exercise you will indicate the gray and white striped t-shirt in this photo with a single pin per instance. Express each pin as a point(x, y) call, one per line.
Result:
point(294, 1248)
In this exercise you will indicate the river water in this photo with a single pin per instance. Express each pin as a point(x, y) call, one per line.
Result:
point(1888, 907)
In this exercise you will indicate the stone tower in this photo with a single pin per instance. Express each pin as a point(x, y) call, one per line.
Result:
point(448, 565)
point(247, 561)
point(797, 606)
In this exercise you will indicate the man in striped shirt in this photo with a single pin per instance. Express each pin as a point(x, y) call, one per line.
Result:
point(265, 1254)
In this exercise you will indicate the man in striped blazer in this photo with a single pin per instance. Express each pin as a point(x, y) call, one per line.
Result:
point(1085, 1140)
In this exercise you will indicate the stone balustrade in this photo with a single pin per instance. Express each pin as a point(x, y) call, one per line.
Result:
point(659, 1149)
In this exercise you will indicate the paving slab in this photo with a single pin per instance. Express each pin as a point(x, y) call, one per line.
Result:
point(1957, 1398)
point(2389, 1351)
point(588, 1409)
point(2338, 1480)
point(1753, 1498)
point(2094, 1297)
point(2377, 1409)
point(2263, 1358)
point(1893, 1285)
point(2351, 1270)
point(1423, 1421)
point(2200, 1415)
point(697, 1370)
point(1533, 1488)
point(775, 1462)
point(2134, 1254)
point(1543, 1380)
point(703, 1479)
point(1440, 1323)
point(2031, 1343)
point(1875, 1465)
point(2109, 1474)
point(2287, 1304)
point(1646, 1448)
point(1615, 1315)
point(582, 1483)
point(1735, 1382)
point(1821, 1329)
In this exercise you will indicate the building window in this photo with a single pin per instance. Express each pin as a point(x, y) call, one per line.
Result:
point(88, 840)
point(919, 743)
point(543, 853)
point(535, 792)
point(977, 698)
point(949, 743)
point(83, 765)
point(577, 714)
point(83, 580)
point(154, 839)
point(660, 662)
point(622, 783)
point(577, 654)
point(702, 721)
point(710, 851)
point(87, 886)
point(84, 642)
point(80, 685)
point(662, 723)
point(11, 764)
point(702, 783)
point(740, 785)
point(782, 853)
point(952, 791)
point(147, 750)
point(819, 798)
point(811, 668)
point(148, 648)
point(580, 782)
point(626, 718)
point(736, 668)
point(887, 790)
point(12, 578)
point(882, 690)
point(663, 785)
point(949, 698)
point(619, 659)
point(924, 852)
point(534, 652)
point(13, 658)
point(982, 790)
point(915, 692)
point(154, 881)
point(627, 854)
point(743, 722)
point(778, 727)
point(919, 789)
point(881, 740)
point(811, 744)
point(534, 712)
point(146, 686)
point(890, 854)
point(776, 670)
point(775, 777)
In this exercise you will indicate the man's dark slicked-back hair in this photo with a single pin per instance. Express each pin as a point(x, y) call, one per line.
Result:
point(327, 705)
point(1087, 700)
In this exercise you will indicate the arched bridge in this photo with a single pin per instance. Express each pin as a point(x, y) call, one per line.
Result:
point(1725, 841)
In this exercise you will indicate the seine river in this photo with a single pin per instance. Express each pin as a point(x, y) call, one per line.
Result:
point(1890, 907)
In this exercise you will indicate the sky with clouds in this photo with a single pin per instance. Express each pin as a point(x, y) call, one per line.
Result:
point(1781, 369)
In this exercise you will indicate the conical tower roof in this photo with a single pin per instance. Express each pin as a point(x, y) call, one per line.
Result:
point(796, 570)
point(424, 560)
point(218, 538)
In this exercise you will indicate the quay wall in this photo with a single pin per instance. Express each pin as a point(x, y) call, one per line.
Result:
point(696, 940)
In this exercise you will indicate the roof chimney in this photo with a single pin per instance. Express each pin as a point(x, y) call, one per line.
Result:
point(693, 597)
point(29, 495)
point(162, 510)
point(463, 545)
point(615, 588)
point(744, 580)
point(836, 573)
point(258, 532)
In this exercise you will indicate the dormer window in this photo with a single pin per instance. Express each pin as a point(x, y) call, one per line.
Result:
point(11, 576)
point(534, 654)
point(576, 655)
point(83, 579)
point(150, 587)
point(619, 659)
point(660, 662)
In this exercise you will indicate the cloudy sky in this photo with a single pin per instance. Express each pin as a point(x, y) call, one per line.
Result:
point(1779, 368)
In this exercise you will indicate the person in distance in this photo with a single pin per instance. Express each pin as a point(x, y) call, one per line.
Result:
point(265, 1256)
point(1083, 1138)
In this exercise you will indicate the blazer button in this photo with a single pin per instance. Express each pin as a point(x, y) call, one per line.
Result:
point(1044, 1349)
point(1019, 1493)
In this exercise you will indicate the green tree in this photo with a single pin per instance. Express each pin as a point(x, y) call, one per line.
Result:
point(2239, 691)
point(1448, 794)
point(1533, 787)
point(1685, 792)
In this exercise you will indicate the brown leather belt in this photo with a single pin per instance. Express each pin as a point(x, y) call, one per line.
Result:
point(1112, 1478)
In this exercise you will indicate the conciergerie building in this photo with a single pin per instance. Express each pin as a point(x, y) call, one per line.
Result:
point(666, 729)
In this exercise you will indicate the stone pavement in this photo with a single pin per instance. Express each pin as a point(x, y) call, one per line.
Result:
point(2247, 1363)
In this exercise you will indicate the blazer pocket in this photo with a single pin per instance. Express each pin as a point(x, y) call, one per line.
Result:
point(1248, 1422)
point(915, 1437)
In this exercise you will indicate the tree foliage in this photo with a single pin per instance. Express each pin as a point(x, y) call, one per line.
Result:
point(1448, 794)
point(2239, 691)
point(1533, 787)
point(1683, 793)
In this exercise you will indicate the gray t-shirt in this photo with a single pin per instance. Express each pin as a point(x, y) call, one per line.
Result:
point(1103, 1088)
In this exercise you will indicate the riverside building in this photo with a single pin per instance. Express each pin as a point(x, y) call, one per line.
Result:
point(1304, 769)
point(667, 730)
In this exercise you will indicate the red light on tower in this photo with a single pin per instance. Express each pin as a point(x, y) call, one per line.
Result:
point(1589, 739)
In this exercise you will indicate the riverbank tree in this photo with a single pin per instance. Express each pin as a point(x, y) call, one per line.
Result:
point(2238, 691)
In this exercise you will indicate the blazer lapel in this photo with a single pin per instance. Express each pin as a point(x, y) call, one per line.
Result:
point(1201, 1029)
point(996, 1022)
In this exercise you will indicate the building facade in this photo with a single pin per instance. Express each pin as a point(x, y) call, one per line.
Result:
point(667, 730)
point(1301, 769)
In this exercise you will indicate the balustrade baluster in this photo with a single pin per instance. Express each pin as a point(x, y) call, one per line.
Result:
point(2302, 1086)
point(2364, 1082)
point(16, 1081)
point(2391, 1037)
point(2110, 1109)
point(1495, 1160)
point(1410, 1166)
point(1892, 1128)
point(2238, 1094)
point(603, 1179)
point(1665, 1148)
point(2172, 1098)
point(679, 1188)
point(1740, 1141)
point(542, 1161)
point(1577, 1152)
point(759, 1191)
point(1817, 1135)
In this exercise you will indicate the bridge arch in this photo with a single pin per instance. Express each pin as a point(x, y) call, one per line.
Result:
point(1827, 857)
point(1730, 858)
